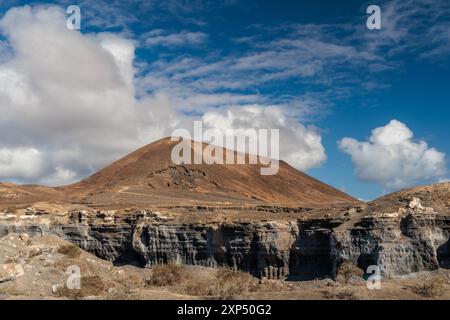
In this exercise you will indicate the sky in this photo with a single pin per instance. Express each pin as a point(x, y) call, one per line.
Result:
point(366, 111)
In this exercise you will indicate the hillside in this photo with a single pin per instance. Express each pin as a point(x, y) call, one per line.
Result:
point(149, 176)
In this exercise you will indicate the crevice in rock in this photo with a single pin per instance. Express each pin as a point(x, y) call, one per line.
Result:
point(443, 255)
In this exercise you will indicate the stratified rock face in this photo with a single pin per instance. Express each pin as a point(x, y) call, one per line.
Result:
point(260, 249)
point(398, 245)
point(410, 240)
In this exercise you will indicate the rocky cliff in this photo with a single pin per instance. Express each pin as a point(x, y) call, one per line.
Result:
point(413, 239)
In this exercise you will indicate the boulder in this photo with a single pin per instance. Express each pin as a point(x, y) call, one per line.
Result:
point(415, 207)
point(415, 204)
point(33, 211)
point(33, 251)
point(25, 238)
point(10, 271)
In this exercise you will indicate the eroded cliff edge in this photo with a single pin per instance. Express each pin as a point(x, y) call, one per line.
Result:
point(413, 238)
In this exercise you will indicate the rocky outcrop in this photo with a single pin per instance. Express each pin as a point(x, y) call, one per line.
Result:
point(10, 271)
point(397, 245)
point(410, 240)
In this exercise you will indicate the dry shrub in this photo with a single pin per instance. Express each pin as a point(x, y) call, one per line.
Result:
point(86, 266)
point(341, 294)
point(90, 286)
point(347, 272)
point(167, 275)
point(129, 282)
point(227, 284)
point(199, 287)
point(430, 287)
point(232, 284)
point(275, 286)
point(70, 251)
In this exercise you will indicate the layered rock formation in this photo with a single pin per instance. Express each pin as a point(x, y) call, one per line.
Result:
point(398, 245)
point(416, 239)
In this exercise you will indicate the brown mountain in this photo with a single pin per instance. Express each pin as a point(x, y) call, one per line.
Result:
point(148, 176)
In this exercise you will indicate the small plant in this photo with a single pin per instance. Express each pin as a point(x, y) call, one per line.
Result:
point(90, 286)
point(199, 287)
point(430, 287)
point(166, 275)
point(347, 272)
point(70, 250)
point(227, 284)
point(274, 286)
point(129, 282)
point(344, 294)
point(232, 284)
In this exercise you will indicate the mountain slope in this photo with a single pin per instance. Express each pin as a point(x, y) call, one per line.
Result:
point(149, 176)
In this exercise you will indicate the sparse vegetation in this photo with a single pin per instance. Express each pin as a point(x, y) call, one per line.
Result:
point(130, 282)
point(232, 284)
point(10, 291)
point(341, 294)
point(70, 251)
point(90, 286)
point(199, 287)
point(275, 286)
point(347, 272)
point(430, 286)
point(167, 275)
point(226, 284)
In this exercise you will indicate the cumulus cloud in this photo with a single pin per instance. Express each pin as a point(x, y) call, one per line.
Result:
point(393, 159)
point(300, 146)
point(68, 100)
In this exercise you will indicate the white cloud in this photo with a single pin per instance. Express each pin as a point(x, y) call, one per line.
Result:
point(21, 162)
point(67, 99)
point(393, 159)
point(60, 176)
point(184, 38)
point(300, 146)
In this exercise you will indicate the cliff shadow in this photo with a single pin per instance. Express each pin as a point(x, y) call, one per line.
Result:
point(443, 255)
point(310, 257)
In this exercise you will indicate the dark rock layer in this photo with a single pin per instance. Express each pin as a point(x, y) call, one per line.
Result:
point(296, 250)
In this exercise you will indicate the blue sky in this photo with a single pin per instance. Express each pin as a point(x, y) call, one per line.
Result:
point(311, 68)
